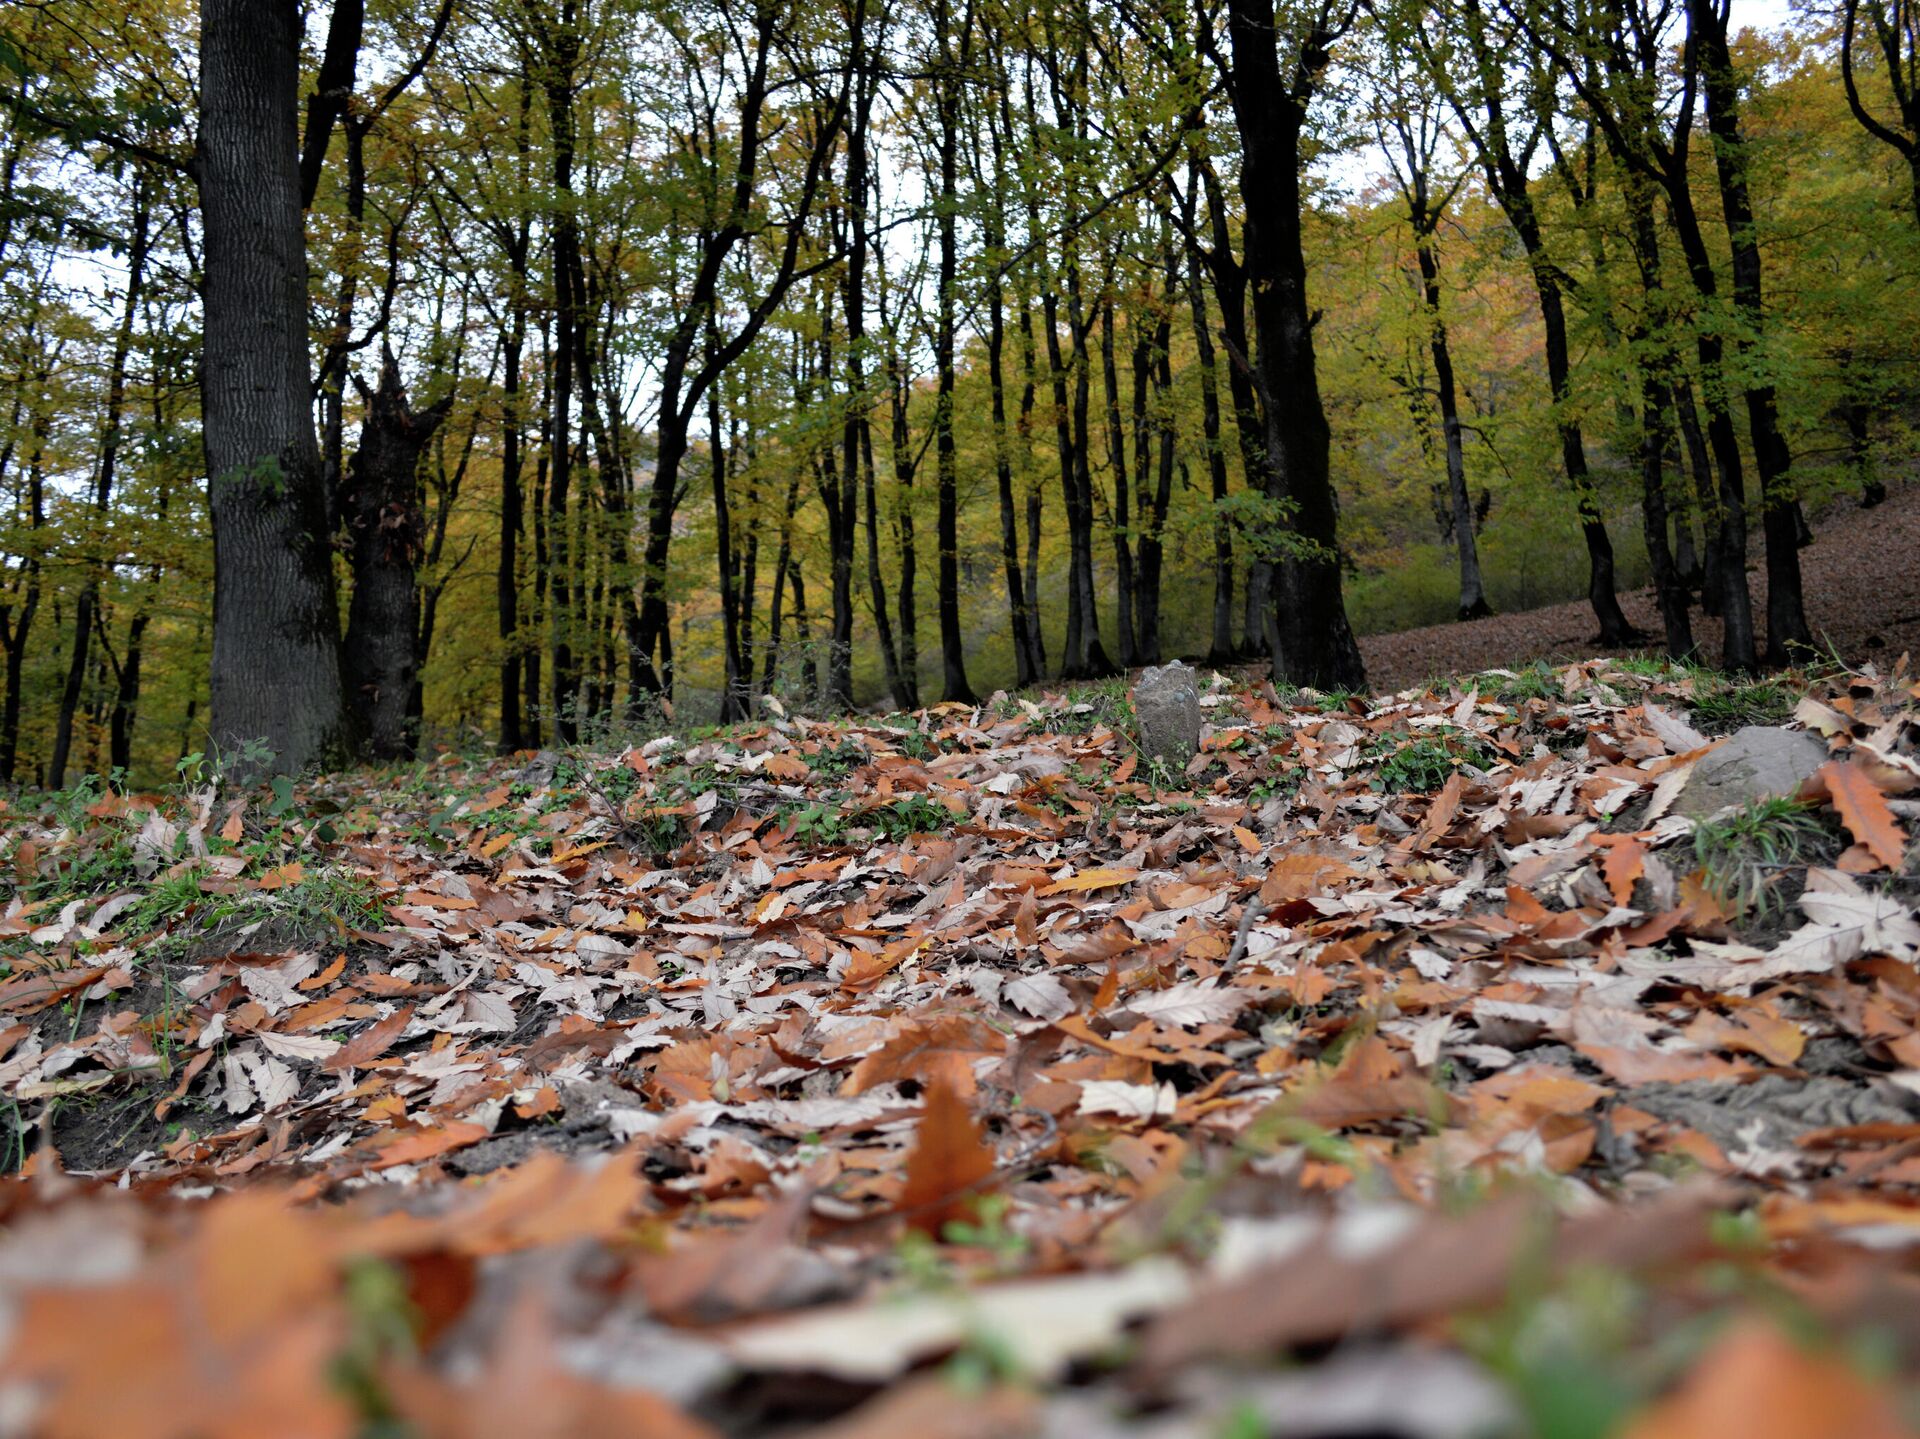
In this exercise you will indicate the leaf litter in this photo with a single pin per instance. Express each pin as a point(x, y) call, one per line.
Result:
point(964, 1073)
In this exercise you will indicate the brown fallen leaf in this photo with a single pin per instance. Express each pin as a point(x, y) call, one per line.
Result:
point(1862, 808)
point(949, 1165)
point(371, 1042)
point(1754, 1383)
point(1445, 1263)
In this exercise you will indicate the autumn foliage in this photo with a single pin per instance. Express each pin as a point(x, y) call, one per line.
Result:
point(969, 1074)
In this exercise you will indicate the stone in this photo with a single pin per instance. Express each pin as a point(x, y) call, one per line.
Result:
point(1758, 762)
point(1166, 713)
point(1776, 1108)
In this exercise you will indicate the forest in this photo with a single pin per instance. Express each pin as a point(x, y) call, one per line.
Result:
point(560, 360)
point(600, 834)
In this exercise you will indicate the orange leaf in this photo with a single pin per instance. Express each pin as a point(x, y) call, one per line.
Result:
point(939, 1051)
point(370, 1043)
point(326, 976)
point(1864, 810)
point(1301, 876)
point(286, 874)
point(429, 1144)
point(782, 765)
point(1092, 879)
point(1625, 862)
point(1756, 1384)
point(949, 1164)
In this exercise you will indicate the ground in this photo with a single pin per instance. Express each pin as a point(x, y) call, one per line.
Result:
point(1405, 1065)
point(1863, 602)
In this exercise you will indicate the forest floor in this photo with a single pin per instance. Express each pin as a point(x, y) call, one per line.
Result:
point(1401, 1067)
point(1861, 575)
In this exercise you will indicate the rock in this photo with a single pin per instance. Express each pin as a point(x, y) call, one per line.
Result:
point(1757, 762)
point(1166, 712)
point(1776, 1108)
point(538, 772)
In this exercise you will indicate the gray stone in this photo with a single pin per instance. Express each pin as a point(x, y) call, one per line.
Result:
point(1166, 712)
point(1783, 1107)
point(1757, 762)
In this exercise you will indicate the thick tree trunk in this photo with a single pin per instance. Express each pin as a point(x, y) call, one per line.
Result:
point(1735, 608)
point(276, 647)
point(512, 526)
point(561, 47)
point(1315, 644)
point(386, 532)
point(953, 658)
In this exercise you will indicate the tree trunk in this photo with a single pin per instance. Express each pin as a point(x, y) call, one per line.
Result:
point(1788, 636)
point(104, 474)
point(561, 52)
point(386, 532)
point(1473, 594)
point(1117, 467)
point(953, 658)
point(276, 649)
point(1153, 503)
point(1221, 650)
point(512, 526)
point(1314, 644)
point(15, 632)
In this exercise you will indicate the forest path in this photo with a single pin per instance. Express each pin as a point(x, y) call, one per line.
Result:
point(1862, 578)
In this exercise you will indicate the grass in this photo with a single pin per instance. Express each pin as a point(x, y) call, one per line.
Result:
point(1728, 705)
point(1743, 856)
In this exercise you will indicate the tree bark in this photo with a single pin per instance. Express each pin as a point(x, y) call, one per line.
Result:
point(276, 649)
point(1314, 643)
point(111, 436)
point(386, 531)
point(1788, 636)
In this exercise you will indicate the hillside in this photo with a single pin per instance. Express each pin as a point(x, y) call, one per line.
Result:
point(1862, 581)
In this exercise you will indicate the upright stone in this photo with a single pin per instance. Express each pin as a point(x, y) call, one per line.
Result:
point(1758, 762)
point(1166, 711)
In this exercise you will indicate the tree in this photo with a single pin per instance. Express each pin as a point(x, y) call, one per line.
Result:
point(276, 641)
point(1408, 126)
point(1896, 36)
point(1313, 643)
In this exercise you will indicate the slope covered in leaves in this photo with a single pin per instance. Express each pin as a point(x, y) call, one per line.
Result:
point(965, 1073)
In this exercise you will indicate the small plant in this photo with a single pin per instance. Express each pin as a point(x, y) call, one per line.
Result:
point(914, 815)
point(1278, 786)
point(1088, 707)
point(1535, 682)
point(1425, 764)
point(815, 825)
point(659, 831)
point(840, 760)
point(1744, 855)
